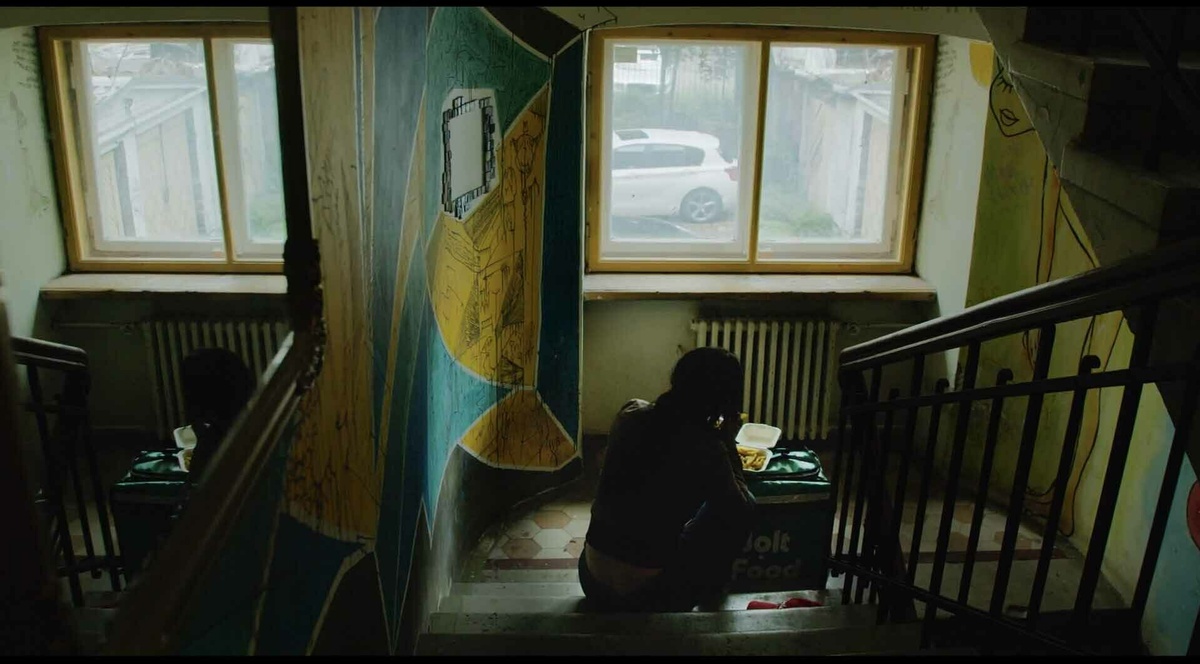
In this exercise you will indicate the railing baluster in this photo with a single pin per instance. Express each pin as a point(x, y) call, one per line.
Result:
point(1122, 434)
point(1016, 502)
point(970, 371)
point(1087, 364)
point(935, 416)
point(1166, 495)
point(852, 383)
point(84, 433)
point(54, 483)
point(877, 516)
point(892, 543)
point(67, 439)
point(868, 439)
point(837, 479)
point(981, 494)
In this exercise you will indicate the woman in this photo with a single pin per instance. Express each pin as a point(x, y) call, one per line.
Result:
point(672, 507)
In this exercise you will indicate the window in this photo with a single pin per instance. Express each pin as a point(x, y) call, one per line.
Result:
point(755, 149)
point(167, 146)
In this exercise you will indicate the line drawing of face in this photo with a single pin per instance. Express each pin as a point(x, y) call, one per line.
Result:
point(1006, 106)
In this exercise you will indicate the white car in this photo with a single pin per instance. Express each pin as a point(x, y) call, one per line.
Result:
point(664, 172)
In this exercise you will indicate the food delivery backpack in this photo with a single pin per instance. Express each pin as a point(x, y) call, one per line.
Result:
point(786, 546)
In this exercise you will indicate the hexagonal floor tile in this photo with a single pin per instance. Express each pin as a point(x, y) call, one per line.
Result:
point(522, 548)
point(553, 554)
point(958, 542)
point(577, 527)
point(551, 518)
point(575, 547)
point(523, 529)
point(578, 510)
point(552, 539)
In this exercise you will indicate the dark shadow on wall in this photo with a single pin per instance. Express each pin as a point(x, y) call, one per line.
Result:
point(543, 31)
point(482, 495)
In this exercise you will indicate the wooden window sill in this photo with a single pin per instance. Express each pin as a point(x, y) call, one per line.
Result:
point(756, 287)
point(206, 286)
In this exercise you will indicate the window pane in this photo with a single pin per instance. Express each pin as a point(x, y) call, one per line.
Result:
point(258, 142)
point(150, 138)
point(676, 125)
point(827, 151)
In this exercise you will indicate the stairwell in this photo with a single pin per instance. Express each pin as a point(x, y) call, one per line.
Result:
point(1128, 161)
point(541, 610)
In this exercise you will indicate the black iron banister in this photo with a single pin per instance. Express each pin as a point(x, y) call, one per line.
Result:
point(1155, 271)
point(65, 448)
point(871, 524)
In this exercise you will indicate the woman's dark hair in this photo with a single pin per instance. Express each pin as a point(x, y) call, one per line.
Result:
point(705, 383)
point(216, 385)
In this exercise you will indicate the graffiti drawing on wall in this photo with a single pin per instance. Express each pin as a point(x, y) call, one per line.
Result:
point(483, 286)
point(1062, 250)
point(469, 151)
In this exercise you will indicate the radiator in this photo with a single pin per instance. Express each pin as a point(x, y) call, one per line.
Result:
point(168, 342)
point(790, 370)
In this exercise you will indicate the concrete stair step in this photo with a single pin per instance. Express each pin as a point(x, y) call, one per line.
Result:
point(833, 641)
point(1166, 199)
point(1113, 78)
point(485, 622)
point(523, 576)
point(567, 598)
point(544, 589)
point(1099, 101)
point(468, 604)
point(824, 630)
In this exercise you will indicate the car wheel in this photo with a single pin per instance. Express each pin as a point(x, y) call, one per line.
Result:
point(700, 206)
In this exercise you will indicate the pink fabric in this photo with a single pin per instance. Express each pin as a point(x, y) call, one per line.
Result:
point(793, 603)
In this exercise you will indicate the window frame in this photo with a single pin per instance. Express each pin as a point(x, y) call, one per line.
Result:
point(70, 151)
point(912, 132)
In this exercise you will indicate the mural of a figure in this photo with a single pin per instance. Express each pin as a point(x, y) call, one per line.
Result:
point(1062, 250)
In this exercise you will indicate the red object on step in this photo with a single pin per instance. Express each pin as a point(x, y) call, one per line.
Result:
point(793, 603)
point(800, 602)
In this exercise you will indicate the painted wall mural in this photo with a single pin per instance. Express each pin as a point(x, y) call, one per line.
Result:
point(1028, 233)
point(443, 331)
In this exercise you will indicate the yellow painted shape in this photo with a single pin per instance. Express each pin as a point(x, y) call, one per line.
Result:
point(484, 272)
point(331, 483)
point(982, 57)
point(519, 433)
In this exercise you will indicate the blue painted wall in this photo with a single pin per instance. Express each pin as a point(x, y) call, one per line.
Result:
point(287, 571)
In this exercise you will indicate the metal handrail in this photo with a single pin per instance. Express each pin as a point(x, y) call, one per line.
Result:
point(1094, 291)
point(155, 613)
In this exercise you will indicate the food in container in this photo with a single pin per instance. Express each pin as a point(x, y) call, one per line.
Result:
point(754, 459)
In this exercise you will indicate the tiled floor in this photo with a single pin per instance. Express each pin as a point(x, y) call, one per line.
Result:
point(547, 537)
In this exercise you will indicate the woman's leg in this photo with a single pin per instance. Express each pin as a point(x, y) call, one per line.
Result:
point(707, 547)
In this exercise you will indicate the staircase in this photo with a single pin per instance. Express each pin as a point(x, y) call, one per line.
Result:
point(1116, 111)
point(516, 613)
point(1127, 155)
